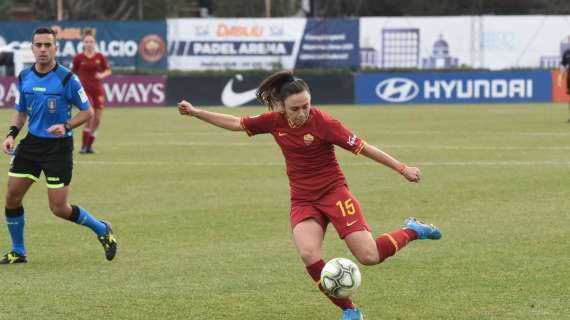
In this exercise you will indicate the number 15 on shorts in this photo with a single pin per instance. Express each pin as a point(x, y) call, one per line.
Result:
point(346, 207)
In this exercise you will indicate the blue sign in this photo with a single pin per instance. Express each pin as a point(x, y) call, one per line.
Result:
point(330, 43)
point(455, 87)
point(125, 44)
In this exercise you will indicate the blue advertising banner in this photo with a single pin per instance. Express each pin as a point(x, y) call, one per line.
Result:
point(330, 43)
point(128, 45)
point(455, 87)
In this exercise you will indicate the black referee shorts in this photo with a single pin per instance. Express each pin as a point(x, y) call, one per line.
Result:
point(52, 156)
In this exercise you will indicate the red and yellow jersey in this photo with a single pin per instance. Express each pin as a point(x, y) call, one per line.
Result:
point(309, 154)
point(86, 68)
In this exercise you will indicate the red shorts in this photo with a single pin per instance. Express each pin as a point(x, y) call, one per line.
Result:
point(338, 207)
point(97, 99)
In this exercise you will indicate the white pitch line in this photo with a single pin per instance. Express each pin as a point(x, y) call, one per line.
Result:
point(393, 146)
point(348, 164)
point(189, 134)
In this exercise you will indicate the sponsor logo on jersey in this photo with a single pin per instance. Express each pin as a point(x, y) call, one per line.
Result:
point(308, 139)
point(39, 89)
point(82, 95)
point(352, 140)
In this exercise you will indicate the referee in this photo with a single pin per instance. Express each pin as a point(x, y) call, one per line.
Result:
point(47, 91)
point(564, 65)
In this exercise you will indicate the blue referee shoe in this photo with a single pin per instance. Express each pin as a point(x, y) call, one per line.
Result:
point(424, 231)
point(352, 314)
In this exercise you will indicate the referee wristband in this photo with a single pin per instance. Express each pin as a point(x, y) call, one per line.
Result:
point(13, 132)
point(67, 127)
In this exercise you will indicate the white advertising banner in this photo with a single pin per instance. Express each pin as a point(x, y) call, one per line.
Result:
point(238, 44)
point(523, 41)
point(490, 42)
point(423, 42)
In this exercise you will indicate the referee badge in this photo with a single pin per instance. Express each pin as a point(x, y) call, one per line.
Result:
point(52, 105)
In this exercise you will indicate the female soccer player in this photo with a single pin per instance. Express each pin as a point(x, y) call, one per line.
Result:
point(319, 192)
point(91, 67)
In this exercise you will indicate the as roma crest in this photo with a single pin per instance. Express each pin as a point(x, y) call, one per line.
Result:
point(308, 138)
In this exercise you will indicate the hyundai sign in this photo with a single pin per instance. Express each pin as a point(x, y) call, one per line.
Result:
point(456, 87)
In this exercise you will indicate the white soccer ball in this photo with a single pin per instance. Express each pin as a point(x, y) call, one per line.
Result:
point(340, 278)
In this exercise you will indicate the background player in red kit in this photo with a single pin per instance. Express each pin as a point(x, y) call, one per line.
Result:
point(91, 67)
point(319, 192)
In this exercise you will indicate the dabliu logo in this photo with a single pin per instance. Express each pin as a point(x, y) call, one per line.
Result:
point(397, 89)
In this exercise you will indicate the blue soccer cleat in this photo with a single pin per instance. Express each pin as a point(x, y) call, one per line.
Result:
point(424, 231)
point(352, 314)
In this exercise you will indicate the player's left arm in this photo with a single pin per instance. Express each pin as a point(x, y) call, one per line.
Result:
point(76, 96)
point(412, 174)
point(104, 74)
point(106, 70)
point(336, 133)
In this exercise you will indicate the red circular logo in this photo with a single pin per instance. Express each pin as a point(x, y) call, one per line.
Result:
point(152, 48)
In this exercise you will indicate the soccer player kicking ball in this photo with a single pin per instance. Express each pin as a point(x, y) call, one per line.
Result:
point(319, 192)
point(47, 91)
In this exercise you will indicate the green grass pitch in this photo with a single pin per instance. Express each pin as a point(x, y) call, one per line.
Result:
point(201, 216)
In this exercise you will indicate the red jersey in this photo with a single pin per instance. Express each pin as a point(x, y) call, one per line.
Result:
point(311, 163)
point(86, 68)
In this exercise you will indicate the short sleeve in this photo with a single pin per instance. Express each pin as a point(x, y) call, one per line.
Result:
point(262, 123)
point(21, 98)
point(76, 94)
point(336, 133)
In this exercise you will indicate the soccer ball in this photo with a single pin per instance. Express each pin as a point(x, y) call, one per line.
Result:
point(340, 278)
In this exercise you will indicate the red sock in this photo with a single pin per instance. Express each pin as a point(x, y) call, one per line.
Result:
point(389, 243)
point(315, 272)
point(91, 139)
point(84, 138)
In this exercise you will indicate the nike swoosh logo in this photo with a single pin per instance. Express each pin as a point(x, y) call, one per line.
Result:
point(230, 98)
point(348, 224)
point(282, 134)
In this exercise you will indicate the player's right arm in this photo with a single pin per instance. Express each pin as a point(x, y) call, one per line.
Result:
point(16, 124)
point(225, 121)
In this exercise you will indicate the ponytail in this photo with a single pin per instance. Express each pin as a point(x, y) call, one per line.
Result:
point(274, 89)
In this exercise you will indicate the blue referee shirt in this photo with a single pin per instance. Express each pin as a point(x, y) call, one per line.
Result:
point(47, 98)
